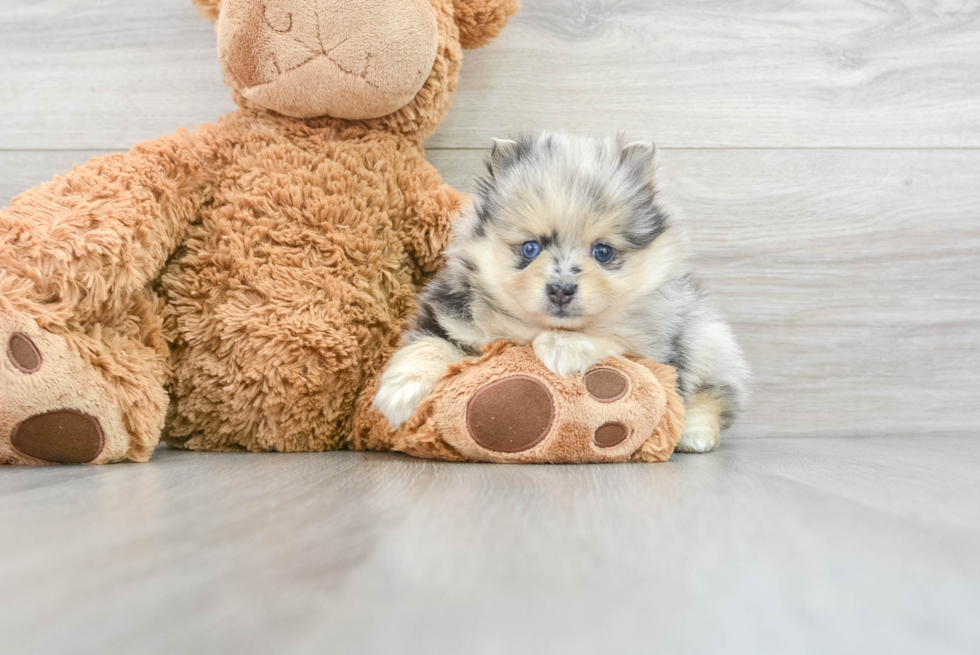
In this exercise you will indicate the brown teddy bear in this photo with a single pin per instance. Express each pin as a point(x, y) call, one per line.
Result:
point(241, 284)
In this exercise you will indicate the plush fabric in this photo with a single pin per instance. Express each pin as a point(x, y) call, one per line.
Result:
point(505, 406)
point(481, 21)
point(238, 287)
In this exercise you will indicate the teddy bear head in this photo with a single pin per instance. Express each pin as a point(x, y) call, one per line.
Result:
point(387, 64)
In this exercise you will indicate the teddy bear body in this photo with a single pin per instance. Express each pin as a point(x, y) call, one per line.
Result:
point(287, 293)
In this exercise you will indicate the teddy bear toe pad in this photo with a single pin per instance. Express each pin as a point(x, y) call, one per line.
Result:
point(54, 406)
point(606, 385)
point(609, 435)
point(23, 354)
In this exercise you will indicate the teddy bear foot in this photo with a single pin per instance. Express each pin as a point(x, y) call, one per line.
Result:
point(54, 406)
point(508, 407)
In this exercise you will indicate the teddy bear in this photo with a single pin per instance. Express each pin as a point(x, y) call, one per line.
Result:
point(236, 288)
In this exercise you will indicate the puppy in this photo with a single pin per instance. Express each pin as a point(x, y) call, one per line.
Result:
point(566, 246)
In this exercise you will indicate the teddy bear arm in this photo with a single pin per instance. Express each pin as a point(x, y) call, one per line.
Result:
point(82, 245)
point(87, 347)
point(431, 209)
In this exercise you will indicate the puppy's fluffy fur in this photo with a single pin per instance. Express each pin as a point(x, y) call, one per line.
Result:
point(528, 264)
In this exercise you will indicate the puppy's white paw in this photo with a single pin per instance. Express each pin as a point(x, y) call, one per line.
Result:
point(702, 424)
point(411, 375)
point(399, 396)
point(565, 353)
point(698, 439)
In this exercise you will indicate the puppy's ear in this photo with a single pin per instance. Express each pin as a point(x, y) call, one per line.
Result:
point(505, 154)
point(209, 9)
point(480, 21)
point(641, 157)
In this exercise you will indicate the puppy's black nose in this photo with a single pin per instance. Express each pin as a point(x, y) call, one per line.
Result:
point(561, 294)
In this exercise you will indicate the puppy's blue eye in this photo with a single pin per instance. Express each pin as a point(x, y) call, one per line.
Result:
point(602, 253)
point(531, 249)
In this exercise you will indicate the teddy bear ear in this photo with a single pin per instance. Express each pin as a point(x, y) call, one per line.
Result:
point(209, 9)
point(480, 21)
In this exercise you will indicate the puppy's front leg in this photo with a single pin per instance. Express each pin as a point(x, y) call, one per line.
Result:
point(565, 353)
point(411, 375)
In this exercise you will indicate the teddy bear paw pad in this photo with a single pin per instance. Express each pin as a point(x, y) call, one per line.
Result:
point(65, 436)
point(494, 424)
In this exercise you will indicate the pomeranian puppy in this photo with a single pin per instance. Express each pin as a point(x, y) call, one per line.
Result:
point(567, 246)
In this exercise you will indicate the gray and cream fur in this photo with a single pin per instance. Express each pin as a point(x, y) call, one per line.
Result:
point(567, 246)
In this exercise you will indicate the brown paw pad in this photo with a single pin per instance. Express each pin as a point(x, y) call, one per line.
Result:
point(23, 354)
point(511, 415)
point(65, 436)
point(606, 385)
point(611, 434)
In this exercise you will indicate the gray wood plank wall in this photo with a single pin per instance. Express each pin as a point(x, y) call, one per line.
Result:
point(825, 153)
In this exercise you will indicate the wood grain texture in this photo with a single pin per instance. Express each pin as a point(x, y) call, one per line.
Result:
point(768, 546)
point(852, 277)
point(710, 73)
point(105, 74)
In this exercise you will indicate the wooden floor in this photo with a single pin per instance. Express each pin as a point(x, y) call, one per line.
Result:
point(826, 154)
point(794, 545)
